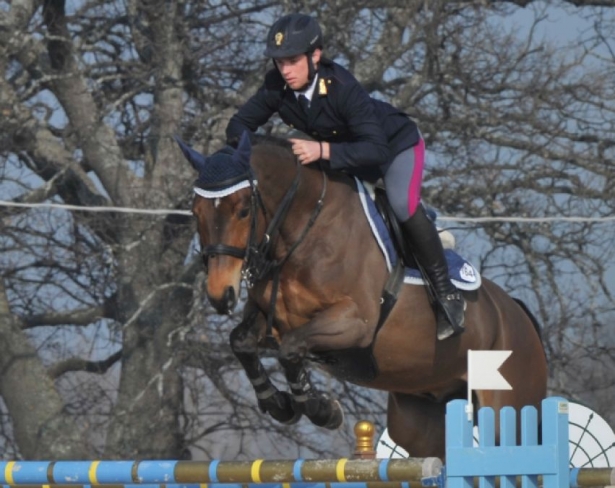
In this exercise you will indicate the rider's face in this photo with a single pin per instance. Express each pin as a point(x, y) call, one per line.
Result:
point(294, 69)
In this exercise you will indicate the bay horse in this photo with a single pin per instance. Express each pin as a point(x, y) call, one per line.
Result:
point(299, 238)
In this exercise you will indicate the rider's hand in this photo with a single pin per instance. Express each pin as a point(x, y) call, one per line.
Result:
point(307, 151)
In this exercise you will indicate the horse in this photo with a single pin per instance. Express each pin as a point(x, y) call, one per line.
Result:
point(317, 279)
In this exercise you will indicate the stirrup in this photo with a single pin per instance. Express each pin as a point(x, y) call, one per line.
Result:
point(450, 315)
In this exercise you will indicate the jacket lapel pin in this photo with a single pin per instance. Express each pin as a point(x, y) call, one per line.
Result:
point(322, 87)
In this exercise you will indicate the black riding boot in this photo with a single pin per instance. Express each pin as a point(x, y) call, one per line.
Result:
point(421, 234)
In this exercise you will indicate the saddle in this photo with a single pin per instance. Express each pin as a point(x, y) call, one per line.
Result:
point(392, 224)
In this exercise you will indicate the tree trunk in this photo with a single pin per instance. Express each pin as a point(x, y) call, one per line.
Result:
point(41, 425)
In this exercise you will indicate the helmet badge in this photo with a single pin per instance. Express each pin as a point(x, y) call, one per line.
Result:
point(279, 37)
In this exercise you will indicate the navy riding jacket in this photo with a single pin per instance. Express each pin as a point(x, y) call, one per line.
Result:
point(361, 130)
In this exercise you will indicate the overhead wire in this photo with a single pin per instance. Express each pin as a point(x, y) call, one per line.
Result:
point(164, 211)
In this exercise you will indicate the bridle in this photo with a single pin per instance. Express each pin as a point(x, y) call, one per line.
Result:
point(258, 263)
point(215, 249)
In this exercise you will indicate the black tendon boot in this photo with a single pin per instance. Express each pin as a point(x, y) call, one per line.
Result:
point(421, 234)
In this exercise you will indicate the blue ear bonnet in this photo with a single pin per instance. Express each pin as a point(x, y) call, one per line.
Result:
point(222, 173)
point(219, 171)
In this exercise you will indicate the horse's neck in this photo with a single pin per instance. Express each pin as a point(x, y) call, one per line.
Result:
point(275, 176)
point(275, 170)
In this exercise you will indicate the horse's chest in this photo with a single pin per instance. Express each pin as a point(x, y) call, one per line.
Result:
point(294, 305)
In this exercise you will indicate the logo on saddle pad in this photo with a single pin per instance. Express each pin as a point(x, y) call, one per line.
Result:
point(467, 273)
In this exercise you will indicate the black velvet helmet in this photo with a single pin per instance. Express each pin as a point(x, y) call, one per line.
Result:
point(293, 34)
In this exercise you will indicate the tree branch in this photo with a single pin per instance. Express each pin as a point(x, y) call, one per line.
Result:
point(78, 364)
point(83, 317)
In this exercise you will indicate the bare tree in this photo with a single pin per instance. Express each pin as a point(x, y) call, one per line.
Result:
point(104, 310)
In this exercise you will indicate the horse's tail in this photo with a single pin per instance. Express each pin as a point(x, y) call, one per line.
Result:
point(533, 318)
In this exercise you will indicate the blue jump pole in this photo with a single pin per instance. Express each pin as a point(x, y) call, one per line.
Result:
point(217, 472)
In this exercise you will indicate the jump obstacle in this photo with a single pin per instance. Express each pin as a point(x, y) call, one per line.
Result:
point(527, 464)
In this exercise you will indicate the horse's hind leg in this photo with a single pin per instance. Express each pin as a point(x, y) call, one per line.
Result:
point(417, 425)
point(318, 407)
point(244, 343)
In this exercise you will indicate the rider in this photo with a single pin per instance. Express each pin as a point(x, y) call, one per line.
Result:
point(354, 133)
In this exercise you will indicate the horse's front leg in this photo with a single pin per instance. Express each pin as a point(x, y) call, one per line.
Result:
point(244, 343)
point(338, 327)
point(321, 409)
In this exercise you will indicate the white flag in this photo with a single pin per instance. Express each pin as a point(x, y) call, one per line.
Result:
point(483, 371)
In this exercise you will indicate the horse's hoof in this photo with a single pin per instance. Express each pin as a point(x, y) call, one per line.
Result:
point(281, 407)
point(293, 420)
point(336, 420)
point(328, 414)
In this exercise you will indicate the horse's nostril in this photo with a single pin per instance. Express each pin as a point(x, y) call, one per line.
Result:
point(227, 301)
point(230, 298)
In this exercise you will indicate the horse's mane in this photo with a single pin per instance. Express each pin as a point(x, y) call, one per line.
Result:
point(260, 139)
point(284, 143)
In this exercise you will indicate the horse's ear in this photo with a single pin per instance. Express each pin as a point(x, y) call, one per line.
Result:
point(244, 148)
point(197, 160)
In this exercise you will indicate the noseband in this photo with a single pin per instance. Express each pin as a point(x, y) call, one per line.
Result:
point(213, 250)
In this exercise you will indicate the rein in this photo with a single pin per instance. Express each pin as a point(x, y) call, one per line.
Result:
point(258, 262)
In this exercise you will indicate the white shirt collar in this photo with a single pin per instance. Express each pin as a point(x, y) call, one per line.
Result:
point(309, 91)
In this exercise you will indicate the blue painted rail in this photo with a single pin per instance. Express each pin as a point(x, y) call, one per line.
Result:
point(375, 484)
point(96, 473)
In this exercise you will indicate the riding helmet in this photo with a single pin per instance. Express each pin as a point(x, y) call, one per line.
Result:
point(293, 34)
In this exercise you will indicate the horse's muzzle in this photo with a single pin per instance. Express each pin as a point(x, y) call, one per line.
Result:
point(226, 304)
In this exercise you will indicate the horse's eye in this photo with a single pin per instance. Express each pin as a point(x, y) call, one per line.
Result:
point(243, 213)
